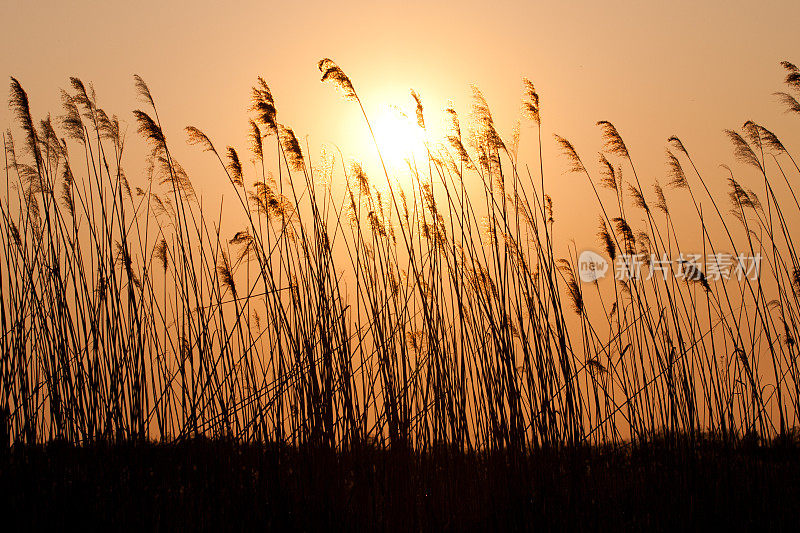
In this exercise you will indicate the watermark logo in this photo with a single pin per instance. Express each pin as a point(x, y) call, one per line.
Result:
point(718, 266)
point(591, 266)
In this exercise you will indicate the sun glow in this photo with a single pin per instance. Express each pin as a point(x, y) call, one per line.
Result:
point(400, 139)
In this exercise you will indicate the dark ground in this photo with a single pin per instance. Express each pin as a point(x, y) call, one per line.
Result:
point(215, 485)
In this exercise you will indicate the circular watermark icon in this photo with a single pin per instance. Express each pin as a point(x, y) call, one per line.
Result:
point(591, 266)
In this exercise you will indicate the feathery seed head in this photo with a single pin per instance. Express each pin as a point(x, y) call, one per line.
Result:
point(291, 147)
point(256, 141)
point(677, 176)
point(143, 90)
point(235, 167)
point(607, 241)
point(677, 144)
point(791, 103)
point(530, 102)
point(420, 115)
point(613, 140)
point(149, 129)
point(197, 137)
point(576, 165)
point(263, 105)
point(661, 200)
point(742, 150)
point(331, 72)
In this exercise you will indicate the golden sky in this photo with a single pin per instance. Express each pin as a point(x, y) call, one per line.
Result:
point(652, 68)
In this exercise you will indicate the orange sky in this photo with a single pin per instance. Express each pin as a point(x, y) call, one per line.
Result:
point(653, 69)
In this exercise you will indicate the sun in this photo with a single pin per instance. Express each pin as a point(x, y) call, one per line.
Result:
point(400, 140)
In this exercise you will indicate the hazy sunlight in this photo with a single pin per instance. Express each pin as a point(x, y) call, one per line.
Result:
point(399, 138)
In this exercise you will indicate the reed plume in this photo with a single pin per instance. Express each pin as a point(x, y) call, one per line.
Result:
point(612, 139)
point(331, 72)
point(198, 138)
point(161, 253)
point(791, 103)
point(608, 175)
point(226, 275)
point(149, 129)
point(742, 150)
point(256, 141)
point(625, 231)
point(576, 165)
point(18, 101)
point(482, 118)
point(143, 90)
point(573, 289)
point(419, 109)
point(263, 105)
point(677, 178)
point(530, 102)
point(638, 198)
point(235, 167)
point(71, 120)
point(792, 75)
point(607, 241)
point(661, 200)
point(770, 139)
point(291, 147)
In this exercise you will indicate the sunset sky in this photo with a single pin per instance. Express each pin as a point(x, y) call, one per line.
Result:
point(458, 264)
point(653, 69)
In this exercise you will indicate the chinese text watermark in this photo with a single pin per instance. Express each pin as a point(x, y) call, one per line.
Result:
point(691, 267)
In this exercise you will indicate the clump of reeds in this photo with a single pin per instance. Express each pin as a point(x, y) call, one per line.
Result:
point(402, 316)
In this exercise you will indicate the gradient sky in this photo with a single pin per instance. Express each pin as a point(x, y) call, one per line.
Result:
point(652, 68)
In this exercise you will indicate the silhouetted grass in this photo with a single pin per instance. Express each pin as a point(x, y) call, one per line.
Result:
point(411, 355)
